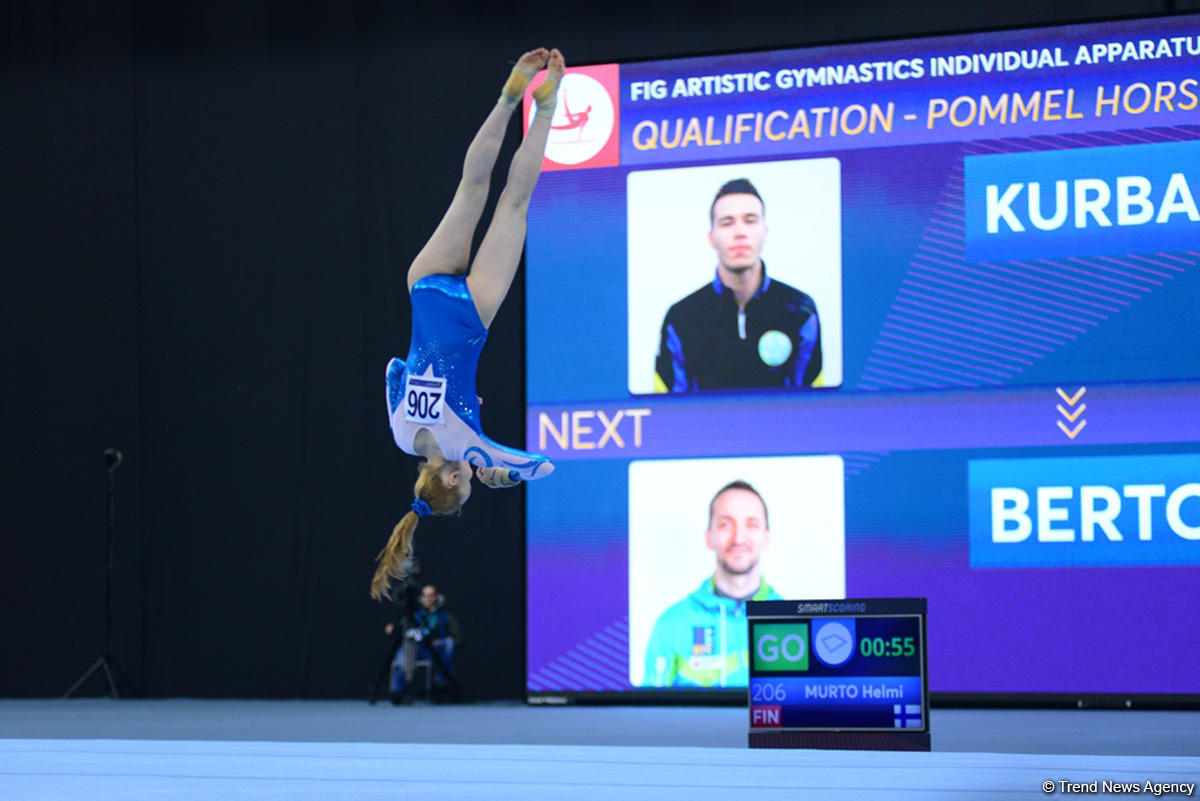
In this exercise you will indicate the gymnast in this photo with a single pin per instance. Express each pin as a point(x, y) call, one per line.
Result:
point(432, 404)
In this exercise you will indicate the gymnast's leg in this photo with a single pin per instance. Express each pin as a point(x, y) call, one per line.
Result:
point(496, 262)
point(449, 249)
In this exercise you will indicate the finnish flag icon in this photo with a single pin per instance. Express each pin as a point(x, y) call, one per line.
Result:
point(906, 716)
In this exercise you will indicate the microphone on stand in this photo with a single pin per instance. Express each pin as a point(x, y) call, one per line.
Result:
point(106, 663)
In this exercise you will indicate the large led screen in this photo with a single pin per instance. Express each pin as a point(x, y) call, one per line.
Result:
point(897, 319)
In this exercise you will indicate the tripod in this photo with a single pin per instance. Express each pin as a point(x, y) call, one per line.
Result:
point(105, 662)
point(379, 688)
point(399, 640)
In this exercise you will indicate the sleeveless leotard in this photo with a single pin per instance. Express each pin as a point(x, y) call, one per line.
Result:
point(434, 387)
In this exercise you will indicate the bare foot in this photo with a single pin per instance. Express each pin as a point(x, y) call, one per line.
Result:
point(554, 68)
point(527, 66)
point(533, 61)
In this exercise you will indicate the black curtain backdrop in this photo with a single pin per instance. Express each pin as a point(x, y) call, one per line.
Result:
point(206, 215)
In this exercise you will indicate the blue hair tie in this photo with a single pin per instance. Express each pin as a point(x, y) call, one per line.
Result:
point(421, 508)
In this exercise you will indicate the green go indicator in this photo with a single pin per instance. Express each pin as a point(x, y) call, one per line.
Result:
point(781, 646)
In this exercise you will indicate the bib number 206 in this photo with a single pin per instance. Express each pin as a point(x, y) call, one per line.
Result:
point(424, 399)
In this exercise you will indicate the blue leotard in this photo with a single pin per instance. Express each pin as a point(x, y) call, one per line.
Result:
point(434, 387)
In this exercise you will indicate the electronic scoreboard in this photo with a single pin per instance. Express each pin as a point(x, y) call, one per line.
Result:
point(838, 674)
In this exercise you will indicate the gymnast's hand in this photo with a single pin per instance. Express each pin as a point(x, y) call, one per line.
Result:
point(497, 477)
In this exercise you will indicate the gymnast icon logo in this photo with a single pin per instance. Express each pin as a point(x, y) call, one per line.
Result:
point(583, 132)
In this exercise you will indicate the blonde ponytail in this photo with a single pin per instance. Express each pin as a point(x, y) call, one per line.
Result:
point(432, 497)
point(394, 556)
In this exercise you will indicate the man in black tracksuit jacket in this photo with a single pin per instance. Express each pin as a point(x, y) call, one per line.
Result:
point(744, 329)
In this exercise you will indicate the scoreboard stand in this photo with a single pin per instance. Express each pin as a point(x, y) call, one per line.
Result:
point(839, 674)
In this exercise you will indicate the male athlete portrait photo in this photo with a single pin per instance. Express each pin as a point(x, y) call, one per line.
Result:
point(735, 277)
point(708, 535)
point(742, 329)
point(701, 639)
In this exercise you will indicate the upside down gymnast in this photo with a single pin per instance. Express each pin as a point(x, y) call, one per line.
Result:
point(432, 404)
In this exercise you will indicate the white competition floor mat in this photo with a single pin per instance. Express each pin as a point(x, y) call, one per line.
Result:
point(227, 750)
point(133, 770)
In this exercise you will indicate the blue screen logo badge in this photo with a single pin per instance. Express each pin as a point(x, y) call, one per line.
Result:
point(833, 641)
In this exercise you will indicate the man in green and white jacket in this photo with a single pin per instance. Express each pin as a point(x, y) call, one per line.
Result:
point(701, 640)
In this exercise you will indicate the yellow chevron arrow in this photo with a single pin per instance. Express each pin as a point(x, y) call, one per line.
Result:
point(1070, 417)
point(1070, 399)
point(1071, 432)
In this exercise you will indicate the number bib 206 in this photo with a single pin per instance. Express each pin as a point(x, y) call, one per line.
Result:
point(424, 399)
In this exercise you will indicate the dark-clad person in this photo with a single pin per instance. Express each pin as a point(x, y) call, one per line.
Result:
point(433, 633)
point(744, 329)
